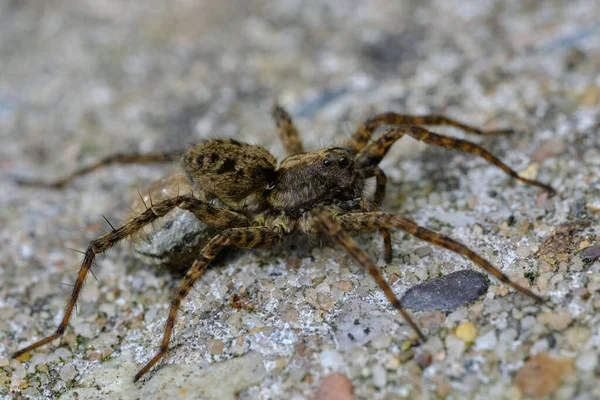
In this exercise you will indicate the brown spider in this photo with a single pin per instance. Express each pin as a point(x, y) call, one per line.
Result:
point(240, 190)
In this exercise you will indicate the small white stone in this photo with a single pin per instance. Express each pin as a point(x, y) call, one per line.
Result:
point(587, 361)
point(38, 359)
point(331, 359)
point(381, 342)
point(323, 288)
point(18, 370)
point(523, 251)
point(454, 346)
point(379, 376)
point(487, 341)
point(62, 353)
point(68, 372)
point(85, 330)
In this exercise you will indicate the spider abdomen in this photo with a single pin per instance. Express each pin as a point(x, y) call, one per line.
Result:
point(236, 173)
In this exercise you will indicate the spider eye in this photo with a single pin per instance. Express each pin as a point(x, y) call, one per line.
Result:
point(343, 161)
point(326, 162)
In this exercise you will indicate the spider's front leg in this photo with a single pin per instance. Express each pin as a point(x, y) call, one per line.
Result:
point(119, 158)
point(207, 213)
point(367, 222)
point(363, 134)
point(250, 237)
point(342, 226)
point(328, 225)
point(378, 196)
point(371, 155)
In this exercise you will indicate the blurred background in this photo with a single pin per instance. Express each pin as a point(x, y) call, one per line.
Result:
point(83, 79)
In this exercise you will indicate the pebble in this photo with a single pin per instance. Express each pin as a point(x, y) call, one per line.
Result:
point(62, 353)
point(335, 387)
point(18, 370)
point(548, 149)
point(587, 361)
point(467, 332)
point(528, 322)
point(423, 251)
point(591, 253)
point(487, 341)
point(542, 374)
point(523, 251)
point(431, 319)
point(331, 359)
point(454, 346)
point(379, 376)
point(578, 336)
point(423, 359)
point(344, 286)
point(215, 346)
point(557, 320)
point(446, 293)
point(68, 373)
point(381, 342)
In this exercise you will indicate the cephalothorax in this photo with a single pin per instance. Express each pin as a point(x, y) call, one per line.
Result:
point(252, 202)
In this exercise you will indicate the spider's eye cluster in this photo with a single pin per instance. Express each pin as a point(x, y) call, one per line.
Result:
point(342, 161)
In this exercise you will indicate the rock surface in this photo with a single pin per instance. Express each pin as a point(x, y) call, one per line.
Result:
point(83, 79)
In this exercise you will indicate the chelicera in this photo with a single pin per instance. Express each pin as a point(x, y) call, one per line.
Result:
point(251, 201)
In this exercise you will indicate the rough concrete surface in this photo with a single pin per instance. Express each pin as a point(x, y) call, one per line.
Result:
point(83, 79)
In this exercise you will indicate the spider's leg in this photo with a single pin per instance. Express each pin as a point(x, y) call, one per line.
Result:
point(250, 237)
point(370, 156)
point(363, 134)
point(118, 158)
point(378, 196)
point(207, 213)
point(287, 131)
point(367, 222)
point(332, 228)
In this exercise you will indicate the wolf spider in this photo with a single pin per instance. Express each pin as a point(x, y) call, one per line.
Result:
point(240, 189)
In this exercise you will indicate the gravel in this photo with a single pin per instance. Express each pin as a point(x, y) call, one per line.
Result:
point(81, 80)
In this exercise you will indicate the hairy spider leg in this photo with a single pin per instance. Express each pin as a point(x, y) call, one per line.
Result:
point(356, 223)
point(333, 229)
point(207, 213)
point(363, 133)
point(250, 237)
point(378, 196)
point(287, 131)
point(370, 156)
point(118, 158)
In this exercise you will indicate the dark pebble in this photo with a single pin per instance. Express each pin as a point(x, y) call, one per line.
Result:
point(590, 253)
point(446, 293)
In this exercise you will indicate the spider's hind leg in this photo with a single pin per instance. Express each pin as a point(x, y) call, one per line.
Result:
point(207, 213)
point(119, 158)
point(249, 237)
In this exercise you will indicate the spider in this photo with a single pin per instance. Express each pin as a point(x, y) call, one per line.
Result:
point(253, 202)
